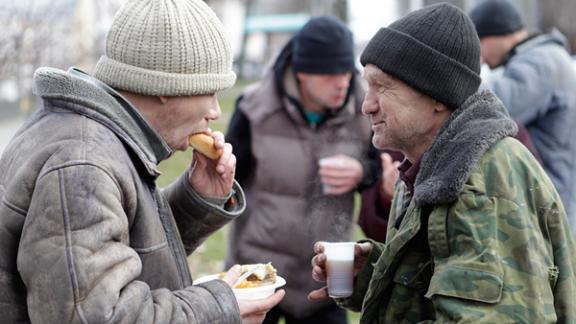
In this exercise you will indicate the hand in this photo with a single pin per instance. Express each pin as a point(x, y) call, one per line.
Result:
point(390, 174)
point(252, 311)
point(361, 252)
point(213, 178)
point(341, 174)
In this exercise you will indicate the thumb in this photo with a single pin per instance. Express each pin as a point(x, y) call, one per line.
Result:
point(363, 249)
point(232, 274)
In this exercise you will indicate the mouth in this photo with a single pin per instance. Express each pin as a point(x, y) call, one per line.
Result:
point(197, 131)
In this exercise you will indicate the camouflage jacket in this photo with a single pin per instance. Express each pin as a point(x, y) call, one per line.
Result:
point(499, 246)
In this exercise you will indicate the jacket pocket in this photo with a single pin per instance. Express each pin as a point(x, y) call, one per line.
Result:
point(467, 282)
point(415, 272)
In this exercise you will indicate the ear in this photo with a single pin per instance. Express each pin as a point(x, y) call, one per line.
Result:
point(163, 99)
point(440, 107)
point(300, 76)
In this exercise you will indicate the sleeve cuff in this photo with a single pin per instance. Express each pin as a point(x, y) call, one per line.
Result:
point(229, 207)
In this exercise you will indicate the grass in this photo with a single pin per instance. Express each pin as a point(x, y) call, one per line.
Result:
point(209, 257)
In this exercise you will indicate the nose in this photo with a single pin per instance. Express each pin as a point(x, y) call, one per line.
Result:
point(215, 111)
point(369, 105)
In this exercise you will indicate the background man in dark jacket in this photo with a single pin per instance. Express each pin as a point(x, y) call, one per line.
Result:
point(86, 235)
point(307, 107)
point(537, 85)
point(477, 232)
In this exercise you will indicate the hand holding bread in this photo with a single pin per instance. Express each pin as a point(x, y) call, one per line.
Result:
point(213, 164)
point(204, 144)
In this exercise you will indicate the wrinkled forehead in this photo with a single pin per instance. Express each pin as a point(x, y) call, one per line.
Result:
point(373, 73)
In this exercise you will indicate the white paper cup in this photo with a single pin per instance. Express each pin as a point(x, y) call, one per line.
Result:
point(340, 268)
point(328, 162)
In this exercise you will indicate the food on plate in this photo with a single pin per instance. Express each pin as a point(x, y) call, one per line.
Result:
point(204, 144)
point(264, 275)
point(257, 281)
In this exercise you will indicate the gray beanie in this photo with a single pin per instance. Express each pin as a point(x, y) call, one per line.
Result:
point(435, 50)
point(496, 17)
point(166, 48)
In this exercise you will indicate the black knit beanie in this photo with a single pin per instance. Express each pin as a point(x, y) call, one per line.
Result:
point(435, 50)
point(496, 17)
point(323, 46)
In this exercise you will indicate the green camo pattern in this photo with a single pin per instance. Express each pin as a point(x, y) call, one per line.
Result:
point(502, 253)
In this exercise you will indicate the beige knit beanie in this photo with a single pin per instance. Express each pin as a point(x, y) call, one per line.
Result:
point(166, 48)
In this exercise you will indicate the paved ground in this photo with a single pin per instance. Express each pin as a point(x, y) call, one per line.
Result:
point(7, 129)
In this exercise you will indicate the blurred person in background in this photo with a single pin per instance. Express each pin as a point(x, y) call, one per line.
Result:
point(537, 85)
point(306, 108)
point(477, 230)
point(376, 200)
point(87, 237)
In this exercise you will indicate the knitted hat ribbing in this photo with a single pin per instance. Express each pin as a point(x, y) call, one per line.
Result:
point(435, 50)
point(168, 48)
point(496, 17)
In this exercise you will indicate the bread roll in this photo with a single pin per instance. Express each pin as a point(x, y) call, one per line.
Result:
point(204, 144)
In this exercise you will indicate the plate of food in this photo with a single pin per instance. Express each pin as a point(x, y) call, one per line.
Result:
point(261, 283)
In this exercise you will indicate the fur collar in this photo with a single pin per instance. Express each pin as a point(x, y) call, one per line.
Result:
point(469, 132)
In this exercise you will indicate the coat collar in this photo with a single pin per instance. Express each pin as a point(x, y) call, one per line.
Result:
point(87, 96)
point(469, 132)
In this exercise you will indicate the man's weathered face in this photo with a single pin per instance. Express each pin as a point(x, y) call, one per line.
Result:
point(325, 90)
point(180, 117)
point(402, 118)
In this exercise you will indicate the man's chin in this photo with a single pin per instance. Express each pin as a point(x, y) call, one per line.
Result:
point(379, 142)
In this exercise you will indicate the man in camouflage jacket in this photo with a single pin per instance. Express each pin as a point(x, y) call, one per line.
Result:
point(477, 232)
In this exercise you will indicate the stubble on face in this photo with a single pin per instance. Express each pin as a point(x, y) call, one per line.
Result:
point(402, 118)
point(184, 116)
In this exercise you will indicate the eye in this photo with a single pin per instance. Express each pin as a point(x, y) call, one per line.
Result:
point(382, 87)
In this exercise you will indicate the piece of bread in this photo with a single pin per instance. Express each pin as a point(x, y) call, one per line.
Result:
point(204, 144)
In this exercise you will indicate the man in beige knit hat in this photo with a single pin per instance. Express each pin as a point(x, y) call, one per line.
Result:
point(87, 237)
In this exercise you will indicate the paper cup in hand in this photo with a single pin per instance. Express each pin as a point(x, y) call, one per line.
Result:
point(329, 162)
point(340, 268)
